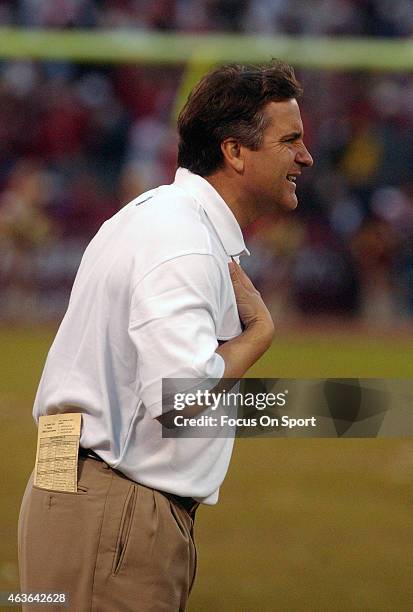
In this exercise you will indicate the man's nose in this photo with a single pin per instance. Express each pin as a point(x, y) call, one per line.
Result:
point(304, 158)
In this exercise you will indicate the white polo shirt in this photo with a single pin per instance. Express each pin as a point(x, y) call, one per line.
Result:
point(151, 299)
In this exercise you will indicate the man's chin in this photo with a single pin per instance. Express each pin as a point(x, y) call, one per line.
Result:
point(289, 203)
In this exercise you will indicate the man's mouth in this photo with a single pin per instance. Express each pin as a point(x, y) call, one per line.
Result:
point(292, 178)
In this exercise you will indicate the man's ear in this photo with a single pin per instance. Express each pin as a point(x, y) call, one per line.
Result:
point(233, 154)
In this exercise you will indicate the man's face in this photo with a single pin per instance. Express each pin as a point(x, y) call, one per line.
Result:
point(270, 172)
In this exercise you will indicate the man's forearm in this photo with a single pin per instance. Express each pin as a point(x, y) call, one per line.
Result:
point(239, 355)
point(243, 351)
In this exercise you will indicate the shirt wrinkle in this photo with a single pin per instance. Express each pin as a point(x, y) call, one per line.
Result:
point(168, 260)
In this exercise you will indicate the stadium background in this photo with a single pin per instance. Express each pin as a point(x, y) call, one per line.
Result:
point(302, 524)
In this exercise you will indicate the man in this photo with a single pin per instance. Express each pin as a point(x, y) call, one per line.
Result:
point(159, 294)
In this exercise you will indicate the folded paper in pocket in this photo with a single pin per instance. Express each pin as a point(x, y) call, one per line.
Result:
point(57, 452)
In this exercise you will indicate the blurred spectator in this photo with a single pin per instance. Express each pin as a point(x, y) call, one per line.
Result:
point(24, 226)
point(324, 280)
point(373, 248)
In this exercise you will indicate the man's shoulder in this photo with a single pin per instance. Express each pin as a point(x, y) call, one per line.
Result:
point(168, 215)
point(165, 200)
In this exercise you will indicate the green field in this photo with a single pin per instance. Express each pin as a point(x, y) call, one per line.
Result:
point(302, 524)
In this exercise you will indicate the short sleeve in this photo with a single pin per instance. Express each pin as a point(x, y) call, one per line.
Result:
point(173, 324)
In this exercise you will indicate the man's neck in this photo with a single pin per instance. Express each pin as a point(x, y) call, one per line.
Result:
point(227, 187)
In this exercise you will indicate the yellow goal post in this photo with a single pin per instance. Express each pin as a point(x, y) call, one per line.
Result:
point(199, 52)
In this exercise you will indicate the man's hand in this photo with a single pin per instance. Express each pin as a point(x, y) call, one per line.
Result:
point(251, 308)
point(242, 352)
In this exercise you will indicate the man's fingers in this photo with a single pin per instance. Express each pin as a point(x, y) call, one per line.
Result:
point(232, 269)
point(242, 277)
point(235, 278)
point(251, 308)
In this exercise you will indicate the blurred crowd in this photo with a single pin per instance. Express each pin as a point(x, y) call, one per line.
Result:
point(313, 17)
point(79, 141)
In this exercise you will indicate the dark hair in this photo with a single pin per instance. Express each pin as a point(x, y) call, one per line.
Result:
point(229, 102)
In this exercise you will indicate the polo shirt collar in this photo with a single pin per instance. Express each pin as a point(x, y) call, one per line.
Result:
point(219, 213)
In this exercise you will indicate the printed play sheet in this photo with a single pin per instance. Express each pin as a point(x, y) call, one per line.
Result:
point(57, 452)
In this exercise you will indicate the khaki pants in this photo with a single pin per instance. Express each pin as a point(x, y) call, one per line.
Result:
point(114, 546)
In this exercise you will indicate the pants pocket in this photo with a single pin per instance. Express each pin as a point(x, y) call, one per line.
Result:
point(124, 529)
point(80, 490)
